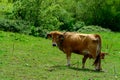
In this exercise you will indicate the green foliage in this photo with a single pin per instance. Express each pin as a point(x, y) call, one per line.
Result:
point(42, 14)
point(15, 26)
point(64, 15)
point(104, 13)
point(45, 15)
point(68, 15)
point(91, 29)
point(5, 9)
point(78, 25)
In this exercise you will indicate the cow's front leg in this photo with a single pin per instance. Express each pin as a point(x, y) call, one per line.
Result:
point(68, 59)
point(84, 60)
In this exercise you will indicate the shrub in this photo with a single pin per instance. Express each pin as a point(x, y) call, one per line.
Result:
point(78, 25)
point(95, 29)
point(19, 26)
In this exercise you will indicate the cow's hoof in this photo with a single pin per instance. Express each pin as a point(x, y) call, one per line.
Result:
point(98, 69)
point(68, 65)
point(83, 67)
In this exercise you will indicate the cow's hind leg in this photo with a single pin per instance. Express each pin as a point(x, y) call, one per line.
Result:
point(98, 66)
point(97, 63)
point(84, 60)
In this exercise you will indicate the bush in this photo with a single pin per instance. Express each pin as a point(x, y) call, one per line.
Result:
point(38, 31)
point(19, 26)
point(103, 13)
point(78, 25)
point(95, 29)
point(37, 17)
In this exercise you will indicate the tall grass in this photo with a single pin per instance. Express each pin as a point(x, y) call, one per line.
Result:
point(33, 58)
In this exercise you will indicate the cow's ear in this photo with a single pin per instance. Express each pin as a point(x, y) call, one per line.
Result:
point(48, 35)
point(61, 37)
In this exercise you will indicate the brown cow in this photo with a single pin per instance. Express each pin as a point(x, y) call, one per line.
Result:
point(88, 45)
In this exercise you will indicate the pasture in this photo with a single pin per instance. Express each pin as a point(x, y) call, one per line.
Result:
point(25, 57)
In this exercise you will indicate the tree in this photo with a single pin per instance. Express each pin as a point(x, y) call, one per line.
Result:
point(67, 14)
point(104, 13)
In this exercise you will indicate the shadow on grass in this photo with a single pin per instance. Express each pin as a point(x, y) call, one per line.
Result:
point(56, 67)
point(85, 70)
point(61, 67)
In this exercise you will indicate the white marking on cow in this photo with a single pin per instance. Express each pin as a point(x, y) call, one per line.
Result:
point(68, 61)
point(54, 44)
point(97, 67)
point(85, 52)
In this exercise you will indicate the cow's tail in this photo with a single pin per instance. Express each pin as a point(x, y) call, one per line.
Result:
point(98, 50)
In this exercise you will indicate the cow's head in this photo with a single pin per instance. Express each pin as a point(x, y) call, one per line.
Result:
point(57, 37)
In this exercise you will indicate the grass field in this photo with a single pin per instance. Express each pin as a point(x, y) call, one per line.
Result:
point(33, 58)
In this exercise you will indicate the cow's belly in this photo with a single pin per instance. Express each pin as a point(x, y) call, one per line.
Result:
point(82, 52)
point(77, 52)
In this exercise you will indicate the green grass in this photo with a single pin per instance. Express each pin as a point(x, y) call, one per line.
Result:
point(33, 58)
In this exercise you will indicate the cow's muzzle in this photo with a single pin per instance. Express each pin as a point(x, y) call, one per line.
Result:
point(54, 44)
